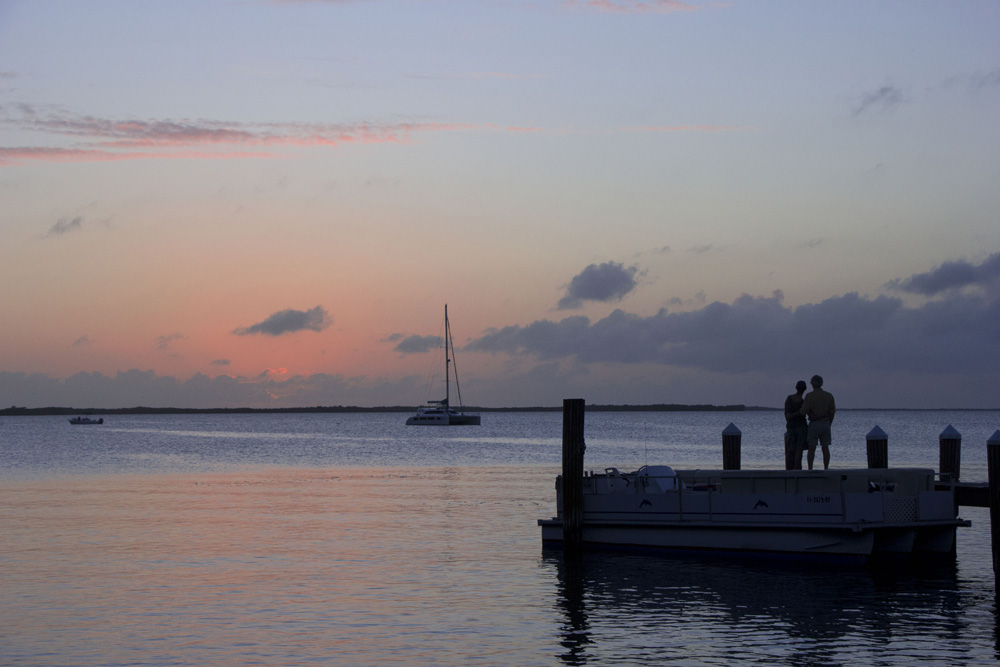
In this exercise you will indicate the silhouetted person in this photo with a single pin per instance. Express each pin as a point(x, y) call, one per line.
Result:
point(819, 406)
point(796, 428)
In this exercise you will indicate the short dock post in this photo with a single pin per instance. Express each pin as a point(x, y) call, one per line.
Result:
point(993, 463)
point(878, 448)
point(950, 453)
point(572, 474)
point(732, 438)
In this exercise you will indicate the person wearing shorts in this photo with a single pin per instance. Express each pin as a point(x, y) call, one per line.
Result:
point(819, 406)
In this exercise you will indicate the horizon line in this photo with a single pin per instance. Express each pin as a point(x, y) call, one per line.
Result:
point(20, 411)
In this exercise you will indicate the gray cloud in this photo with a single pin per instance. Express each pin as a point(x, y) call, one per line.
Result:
point(951, 275)
point(974, 82)
point(219, 362)
point(417, 344)
point(886, 97)
point(986, 80)
point(82, 340)
point(698, 299)
point(66, 225)
point(606, 282)
point(288, 321)
point(163, 342)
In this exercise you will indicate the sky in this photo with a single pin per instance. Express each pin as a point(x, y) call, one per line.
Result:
point(252, 203)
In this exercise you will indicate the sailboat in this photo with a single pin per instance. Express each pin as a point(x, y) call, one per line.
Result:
point(440, 413)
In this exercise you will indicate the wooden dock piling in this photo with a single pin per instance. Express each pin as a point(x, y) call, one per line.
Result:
point(993, 464)
point(732, 438)
point(950, 453)
point(572, 474)
point(878, 448)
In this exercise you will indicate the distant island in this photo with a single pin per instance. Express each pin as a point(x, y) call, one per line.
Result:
point(15, 411)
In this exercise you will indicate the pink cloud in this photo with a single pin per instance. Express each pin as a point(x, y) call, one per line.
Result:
point(13, 156)
point(9, 156)
point(103, 139)
point(313, 2)
point(634, 6)
point(691, 128)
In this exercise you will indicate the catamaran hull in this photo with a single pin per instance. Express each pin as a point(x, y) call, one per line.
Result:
point(443, 420)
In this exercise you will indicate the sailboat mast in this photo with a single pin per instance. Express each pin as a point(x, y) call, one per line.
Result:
point(447, 357)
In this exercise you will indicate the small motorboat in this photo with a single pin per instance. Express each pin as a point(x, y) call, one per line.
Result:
point(80, 421)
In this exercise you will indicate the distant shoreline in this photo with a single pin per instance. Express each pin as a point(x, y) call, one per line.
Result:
point(15, 411)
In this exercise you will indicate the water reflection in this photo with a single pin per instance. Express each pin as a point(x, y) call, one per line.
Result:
point(644, 610)
point(576, 629)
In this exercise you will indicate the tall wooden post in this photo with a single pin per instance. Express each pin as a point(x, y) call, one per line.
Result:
point(732, 438)
point(878, 448)
point(572, 474)
point(950, 453)
point(993, 464)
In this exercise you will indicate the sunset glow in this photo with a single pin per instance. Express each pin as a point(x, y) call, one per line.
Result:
point(221, 204)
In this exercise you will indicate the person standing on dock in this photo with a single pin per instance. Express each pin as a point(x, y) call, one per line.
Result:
point(820, 407)
point(796, 428)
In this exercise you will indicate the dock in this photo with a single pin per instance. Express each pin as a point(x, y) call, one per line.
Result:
point(966, 494)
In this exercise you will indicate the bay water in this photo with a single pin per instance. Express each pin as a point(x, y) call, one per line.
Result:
point(351, 539)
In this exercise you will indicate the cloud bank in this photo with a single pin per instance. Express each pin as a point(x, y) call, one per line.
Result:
point(135, 388)
point(846, 334)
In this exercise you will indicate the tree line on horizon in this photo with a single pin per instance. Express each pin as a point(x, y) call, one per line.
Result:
point(15, 411)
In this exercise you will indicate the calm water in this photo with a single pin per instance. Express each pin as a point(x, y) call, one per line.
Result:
point(353, 540)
